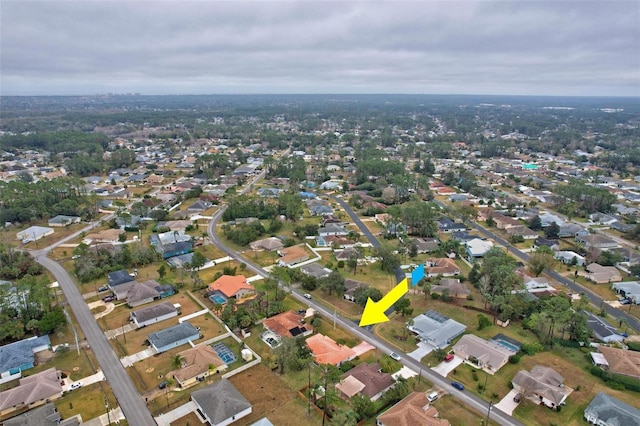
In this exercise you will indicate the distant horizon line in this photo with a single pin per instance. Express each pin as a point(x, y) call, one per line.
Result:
point(140, 94)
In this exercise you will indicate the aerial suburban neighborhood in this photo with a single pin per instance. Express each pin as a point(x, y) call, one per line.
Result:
point(208, 260)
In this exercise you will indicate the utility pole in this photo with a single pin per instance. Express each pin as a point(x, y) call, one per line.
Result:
point(489, 412)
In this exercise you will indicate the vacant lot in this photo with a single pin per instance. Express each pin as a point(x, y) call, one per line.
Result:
point(272, 398)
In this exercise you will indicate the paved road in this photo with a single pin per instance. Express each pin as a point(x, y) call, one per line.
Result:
point(129, 400)
point(468, 399)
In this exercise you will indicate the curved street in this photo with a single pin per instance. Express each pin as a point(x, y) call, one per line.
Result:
point(468, 399)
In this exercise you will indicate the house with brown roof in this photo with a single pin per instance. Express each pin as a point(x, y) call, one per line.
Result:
point(34, 390)
point(522, 231)
point(268, 244)
point(444, 267)
point(415, 409)
point(622, 361)
point(504, 222)
point(485, 354)
point(288, 324)
point(602, 274)
point(105, 236)
point(292, 255)
point(542, 385)
point(365, 379)
point(326, 351)
point(350, 288)
point(453, 287)
point(235, 286)
point(197, 363)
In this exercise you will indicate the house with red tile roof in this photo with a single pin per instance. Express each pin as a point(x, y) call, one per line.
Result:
point(288, 324)
point(326, 351)
point(232, 286)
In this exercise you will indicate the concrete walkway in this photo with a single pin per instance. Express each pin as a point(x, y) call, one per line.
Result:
point(167, 418)
point(128, 361)
point(112, 334)
point(94, 378)
point(109, 307)
point(444, 368)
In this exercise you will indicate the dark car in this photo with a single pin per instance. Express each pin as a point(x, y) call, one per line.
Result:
point(163, 384)
point(108, 299)
point(457, 385)
point(516, 399)
point(102, 288)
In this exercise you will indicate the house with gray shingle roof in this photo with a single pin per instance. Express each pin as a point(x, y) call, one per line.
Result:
point(32, 391)
point(605, 410)
point(221, 403)
point(173, 337)
point(153, 314)
point(19, 356)
point(46, 415)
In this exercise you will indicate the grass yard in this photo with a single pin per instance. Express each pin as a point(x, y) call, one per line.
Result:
point(191, 419)
point(270, 397)
point(89, 401)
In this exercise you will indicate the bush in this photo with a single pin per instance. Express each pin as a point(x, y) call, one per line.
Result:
point(483, 322)
point(474, 376)
point(340, 264)
point(435, 296)
point(514, 359)
point(532, 348)
point(346, 366)
point(634, 346)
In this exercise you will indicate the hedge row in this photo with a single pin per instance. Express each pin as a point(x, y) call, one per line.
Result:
point(616, 380)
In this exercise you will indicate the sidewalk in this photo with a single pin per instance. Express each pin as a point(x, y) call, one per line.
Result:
point(114, 417)
point(128, 361)
point(167, 418)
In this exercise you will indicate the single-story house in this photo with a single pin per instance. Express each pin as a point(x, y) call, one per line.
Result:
point(601, 329)
point(436, 329)
point(63, 220)
point(596, 241)
point(629, 289)
point(105, 236)
point(477, 247)
point(19, 356)
point(288, 324)
point(320, 210)
point(628, 255)
point(602, 218)
point(153, 314)
point(365, 379)
point(447, 225)
point(602, 274)
point(45, 415)
point(547, 219)
point(522, 231)
point(173, 337)
point(315, 270)
point(350, 288)
point(34, 233)
point(505, 222)
point(33, 391)
point(552, 244)
point(332, 229)
point(326, 351)
point(235, 286)
point(622, 361)
point(268, 244)
point(292, 255)
point(414, 409)
point(488, 355)
point(268, 192)
point(199, 206)
point(571, 230)
point(567, 257)
point(426, 245)
point(441, 267)
point(221, 403)
point(146, 292)
point(197, 363)
point(542, 385)
point(605, 410)
point(117, 278)
point(453, 287)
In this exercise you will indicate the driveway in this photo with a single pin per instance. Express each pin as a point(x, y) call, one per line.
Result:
point(423, 350)
point(167, 418)
point(444, 368)
point(507, 404)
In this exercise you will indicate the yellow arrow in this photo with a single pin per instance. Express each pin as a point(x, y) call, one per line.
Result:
point(374, 311)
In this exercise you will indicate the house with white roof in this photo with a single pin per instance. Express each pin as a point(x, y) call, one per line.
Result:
point(436, 329)
point(629, 289)
point(478, 247)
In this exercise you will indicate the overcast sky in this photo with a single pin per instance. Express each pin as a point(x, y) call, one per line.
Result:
point(207, 47)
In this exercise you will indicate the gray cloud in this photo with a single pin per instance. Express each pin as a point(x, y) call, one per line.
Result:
point(532, 47)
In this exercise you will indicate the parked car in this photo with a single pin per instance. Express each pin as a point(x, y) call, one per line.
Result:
point(108, 299)
point(76, 385)
point(457, 385)
point(163, 384)
point(625, 301)
point(432, 396)
point(449, 357)
point(102, 288)
point(307, 296)
point(516, 398)
point(395, 356)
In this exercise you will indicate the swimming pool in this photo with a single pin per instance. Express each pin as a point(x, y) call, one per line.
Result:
point(508, 345)
point(225, 353)
point(218, 298)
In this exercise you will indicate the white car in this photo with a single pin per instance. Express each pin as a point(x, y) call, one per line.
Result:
point(395, 356)
point(76, 385)
point(307, 296)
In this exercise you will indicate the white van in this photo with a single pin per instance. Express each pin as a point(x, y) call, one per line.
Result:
point(432, 396)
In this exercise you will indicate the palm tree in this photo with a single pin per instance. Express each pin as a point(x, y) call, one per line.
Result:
point(176, 361)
